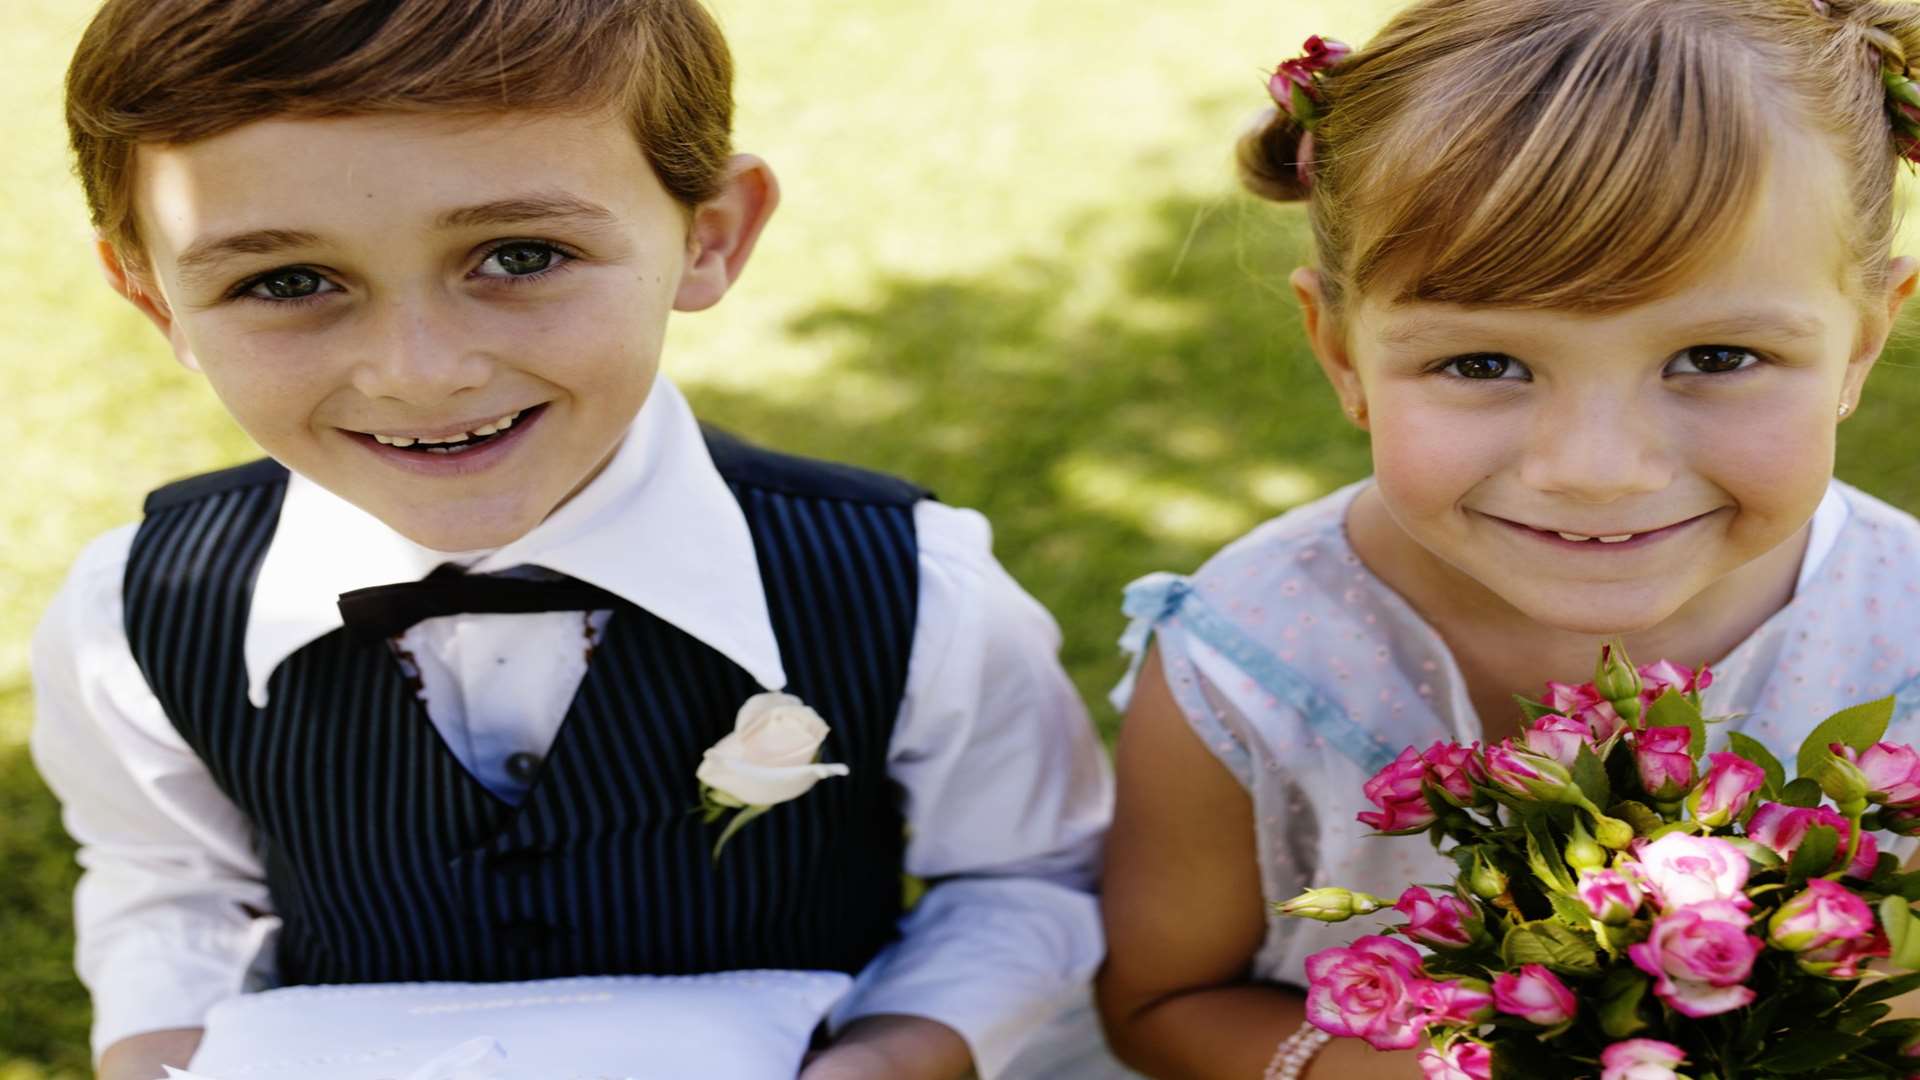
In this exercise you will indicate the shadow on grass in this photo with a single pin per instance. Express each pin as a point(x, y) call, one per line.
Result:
point(1126, 405)
point(43, 1008)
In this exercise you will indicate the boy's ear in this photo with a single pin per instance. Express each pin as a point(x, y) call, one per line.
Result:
point(1329, 343)
point(723, 232)
point(138, 290)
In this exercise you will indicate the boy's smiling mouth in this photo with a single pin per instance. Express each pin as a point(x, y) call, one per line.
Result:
point(459, 440)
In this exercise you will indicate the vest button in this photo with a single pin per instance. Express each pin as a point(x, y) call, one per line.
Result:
point(523, 766)
point(526, 934)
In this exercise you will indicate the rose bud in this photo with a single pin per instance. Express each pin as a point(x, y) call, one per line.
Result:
point(1534, 995)
point(1617, 681)
point(1665, 761)
point(1464, 1059)
point(1581, 852)
point(1487, 880)
point(1891, 771)
point(1823, 913)
point(1399, 791)
point(1612, 896)
point(1452, 770)
point(1330, 905)
point(1443, 922)
point(1528, 774)
point(1641, 1059)
point(1463, 1002)
point(1585, 704)
point(1842, 959)
point(1841, 779)
point(1730, 781)
point(1558, 737)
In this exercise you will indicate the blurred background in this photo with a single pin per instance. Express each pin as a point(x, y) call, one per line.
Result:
point(1011, 264)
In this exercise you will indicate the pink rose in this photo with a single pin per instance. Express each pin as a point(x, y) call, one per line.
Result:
point(1369, 990)
point(1842, 959)
point(1823, 913)
point(1527, 774)
point(1398, 791)
point(1892, 772)
point(1665, 761)
point(1641, 1059)
point(1663, 675)
point(1322, 54)
point(1534, 995)
point(1458, 1002)
point(1610, 895)
point(1782, 828)
point(1558, 737)
point(1454, 769)
point(1464, 1060)
point(1585, 704)
point(1444, 922)
point(1699, 956)
point(1731, 780)
point(1679, 869)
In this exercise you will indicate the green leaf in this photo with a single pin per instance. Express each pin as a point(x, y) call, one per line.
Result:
point(1620, 997)
point(1571, 910)
point(1815, 853)
point(1642, 817)
point(1857, 726)
point(1543, 855)
point(1531, 709)
point(1808, 1050)
point(1802, 792)
point(1896, 918)
point(1883, 989)
point(1552, 944)
point(1525, 1059)
point(1590, 776)
point(1751, 748)
point(1671, 709)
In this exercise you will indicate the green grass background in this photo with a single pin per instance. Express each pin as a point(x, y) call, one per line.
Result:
point(1011, 264)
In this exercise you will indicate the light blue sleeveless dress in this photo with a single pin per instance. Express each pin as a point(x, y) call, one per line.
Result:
point(1305, 674)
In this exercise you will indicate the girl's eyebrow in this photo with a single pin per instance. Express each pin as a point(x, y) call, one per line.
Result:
point(1771, 322)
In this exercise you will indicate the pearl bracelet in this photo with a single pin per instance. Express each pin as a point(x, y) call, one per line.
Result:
point(1296, 1052)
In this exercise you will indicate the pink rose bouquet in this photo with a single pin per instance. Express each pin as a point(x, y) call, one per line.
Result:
point(1630, 907)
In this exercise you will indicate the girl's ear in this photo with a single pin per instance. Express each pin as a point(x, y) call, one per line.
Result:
point(1328, 339)
point(1903, 275)
point(135, 287)
point(724, 231)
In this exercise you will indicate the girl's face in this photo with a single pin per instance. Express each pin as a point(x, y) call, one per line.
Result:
point(1596, 472)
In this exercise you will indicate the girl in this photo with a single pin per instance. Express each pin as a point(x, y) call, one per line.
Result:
point(1598, 277)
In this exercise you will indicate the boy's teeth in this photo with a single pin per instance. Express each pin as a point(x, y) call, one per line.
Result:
point(493, 428)
point(1574, 536)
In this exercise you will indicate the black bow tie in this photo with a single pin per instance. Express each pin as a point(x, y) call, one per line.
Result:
point(386, 611)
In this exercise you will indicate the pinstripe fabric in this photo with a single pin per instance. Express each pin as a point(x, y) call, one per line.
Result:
point(388, 862)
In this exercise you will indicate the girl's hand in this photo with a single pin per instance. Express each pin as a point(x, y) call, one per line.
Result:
point(146, 1055)
point(889, 1047)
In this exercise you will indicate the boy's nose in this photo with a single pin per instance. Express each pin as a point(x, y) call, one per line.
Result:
point(421, 353)
point(1596, 451)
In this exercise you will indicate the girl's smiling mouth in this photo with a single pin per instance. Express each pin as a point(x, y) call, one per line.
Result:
point(1613, 541)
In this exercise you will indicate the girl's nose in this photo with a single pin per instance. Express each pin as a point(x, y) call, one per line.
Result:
point(1596, 450)
point(417, 350)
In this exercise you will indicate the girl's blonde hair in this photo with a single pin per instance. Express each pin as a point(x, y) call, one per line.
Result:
point(1582, 154)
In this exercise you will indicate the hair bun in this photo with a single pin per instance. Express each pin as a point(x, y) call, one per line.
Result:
point(1268, 156)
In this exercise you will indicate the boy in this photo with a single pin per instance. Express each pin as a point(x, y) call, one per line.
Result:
point(424, 251)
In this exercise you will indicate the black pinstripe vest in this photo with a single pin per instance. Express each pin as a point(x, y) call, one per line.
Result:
point(389, 862)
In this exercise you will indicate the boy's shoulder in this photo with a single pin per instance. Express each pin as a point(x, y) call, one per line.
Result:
point(263, 473)
point(750, 465)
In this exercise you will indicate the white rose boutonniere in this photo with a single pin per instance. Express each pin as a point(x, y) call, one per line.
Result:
point(772, 755)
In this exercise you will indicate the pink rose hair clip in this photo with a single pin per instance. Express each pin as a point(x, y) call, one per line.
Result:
point(1295, 87)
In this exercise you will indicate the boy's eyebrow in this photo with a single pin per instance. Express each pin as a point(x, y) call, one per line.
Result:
point(519, 208)
point(201, 256)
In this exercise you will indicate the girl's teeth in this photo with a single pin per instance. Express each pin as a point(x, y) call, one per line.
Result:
point(1622, 538)
point(1574, 537)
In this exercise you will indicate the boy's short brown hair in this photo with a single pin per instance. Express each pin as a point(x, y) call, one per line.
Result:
point(173, 71)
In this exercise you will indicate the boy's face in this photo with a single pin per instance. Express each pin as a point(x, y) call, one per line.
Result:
point(350, 286)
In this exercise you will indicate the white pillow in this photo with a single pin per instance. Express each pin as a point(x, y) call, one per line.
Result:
point(735, 1025)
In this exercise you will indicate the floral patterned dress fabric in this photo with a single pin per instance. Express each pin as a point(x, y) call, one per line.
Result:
point(1305, 674)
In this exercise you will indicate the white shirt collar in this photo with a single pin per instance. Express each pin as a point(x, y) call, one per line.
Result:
point(658, 527)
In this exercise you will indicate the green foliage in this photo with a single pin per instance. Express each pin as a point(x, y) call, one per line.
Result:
point(1856, 726)
point(1672, 709)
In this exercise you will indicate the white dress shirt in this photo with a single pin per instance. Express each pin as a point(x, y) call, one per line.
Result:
point(1007, 789)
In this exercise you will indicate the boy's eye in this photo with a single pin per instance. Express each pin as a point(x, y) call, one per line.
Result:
point(519, 259)
point(1485, 366)
point(293, 283)
point(1711, 360)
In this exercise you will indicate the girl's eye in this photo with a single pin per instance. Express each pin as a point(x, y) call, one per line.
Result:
point(1711, 360)
point(291, 283)
point(1485, 366)
point(520, 259)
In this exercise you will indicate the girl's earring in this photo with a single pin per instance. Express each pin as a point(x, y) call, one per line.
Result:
point(1357, 412)
point(1845, 408)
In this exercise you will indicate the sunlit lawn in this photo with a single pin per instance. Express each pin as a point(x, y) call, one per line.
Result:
point(1010, 265)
